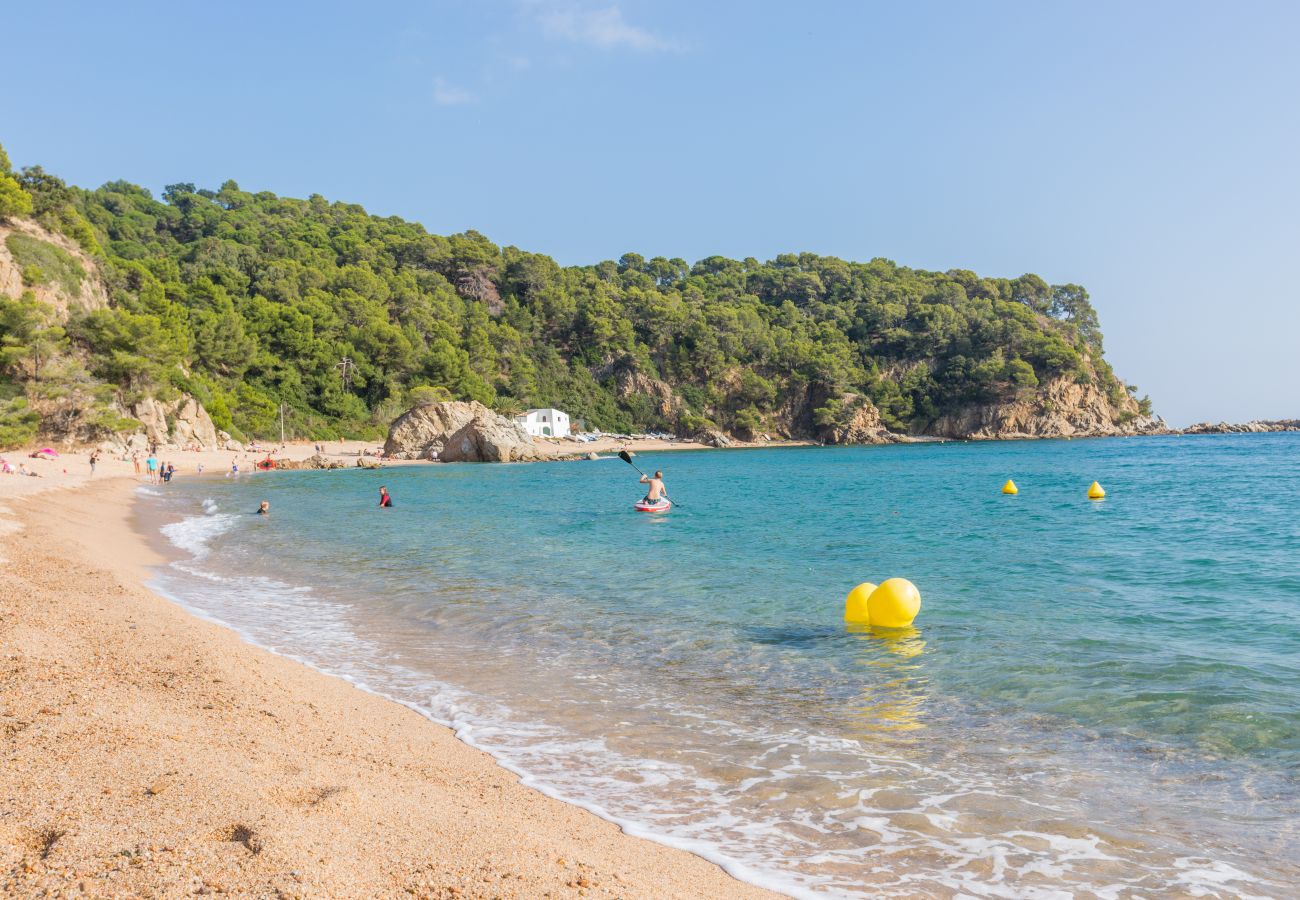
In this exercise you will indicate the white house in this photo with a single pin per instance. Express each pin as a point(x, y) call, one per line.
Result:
point(545, 422)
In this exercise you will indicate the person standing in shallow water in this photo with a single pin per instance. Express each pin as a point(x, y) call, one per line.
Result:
point(264, 509)
point(385, 499)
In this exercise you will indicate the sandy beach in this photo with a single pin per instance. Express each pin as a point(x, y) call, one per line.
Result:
point(72, 468)
point(150, 753)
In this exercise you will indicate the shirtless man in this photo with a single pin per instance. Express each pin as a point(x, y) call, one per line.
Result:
point(656, 491)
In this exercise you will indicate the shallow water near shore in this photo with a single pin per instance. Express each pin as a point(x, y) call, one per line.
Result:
point(1098, 698)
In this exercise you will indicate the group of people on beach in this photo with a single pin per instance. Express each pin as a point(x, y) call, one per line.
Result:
point(7, 468)
point(158, 472)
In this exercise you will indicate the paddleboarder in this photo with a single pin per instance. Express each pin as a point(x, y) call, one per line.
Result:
point(656, 490)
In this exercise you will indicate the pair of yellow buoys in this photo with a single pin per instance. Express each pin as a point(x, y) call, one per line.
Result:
point(892, 604)
point(1095, 491)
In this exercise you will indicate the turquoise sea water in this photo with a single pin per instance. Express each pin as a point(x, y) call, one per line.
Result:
point(1098, 698)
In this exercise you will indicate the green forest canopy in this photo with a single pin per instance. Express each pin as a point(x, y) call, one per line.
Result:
point(248, 300)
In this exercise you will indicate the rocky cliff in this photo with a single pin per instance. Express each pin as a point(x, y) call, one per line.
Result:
point(858, 422)
point(179, 424)
point(52, 267)
point(458, 432)
point(1062, 407)
point(628, 382)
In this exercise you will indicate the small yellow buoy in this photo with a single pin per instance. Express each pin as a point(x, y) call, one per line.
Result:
point(1095, 492)
point(855, 604)
point(894, 604)
point(1010, 487)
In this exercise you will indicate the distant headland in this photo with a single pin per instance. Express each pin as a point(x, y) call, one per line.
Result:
point(211, 312)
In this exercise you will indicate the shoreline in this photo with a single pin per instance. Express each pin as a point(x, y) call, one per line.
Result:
point(349, 453)
point(153, 751)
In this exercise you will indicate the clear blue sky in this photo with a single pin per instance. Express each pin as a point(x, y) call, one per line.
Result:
point(1149, 151)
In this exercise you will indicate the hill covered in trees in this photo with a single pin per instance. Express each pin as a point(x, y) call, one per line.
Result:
point(249, 300)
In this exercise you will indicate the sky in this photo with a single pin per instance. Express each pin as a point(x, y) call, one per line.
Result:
point(1148, 151)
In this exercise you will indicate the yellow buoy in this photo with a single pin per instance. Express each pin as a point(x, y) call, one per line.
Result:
point(1010, 487)
point(1095, 492)
point(855, 604)
point(894, 604)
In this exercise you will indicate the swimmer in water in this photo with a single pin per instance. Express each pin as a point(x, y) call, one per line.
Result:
point(264, 509)
point(385, 499)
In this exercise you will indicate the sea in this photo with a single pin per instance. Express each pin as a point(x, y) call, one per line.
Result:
point(1098, 698)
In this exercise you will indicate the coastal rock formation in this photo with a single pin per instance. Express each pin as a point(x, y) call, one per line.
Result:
point(177, 424)
point(1061, 408)
point(312, 462)
point(846, 418)
point(629, 382)
point(458, 432)
point(1255, 426)
point(711, 437)
point(68, 279)
point(858, 423)
point(193, 425)
point(153, 420)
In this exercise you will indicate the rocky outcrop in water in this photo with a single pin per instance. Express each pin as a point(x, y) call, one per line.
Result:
point(458, 432)
point(1255, 426)
point(312, 462)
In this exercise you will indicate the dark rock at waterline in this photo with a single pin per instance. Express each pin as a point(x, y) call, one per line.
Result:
point(1256, 426)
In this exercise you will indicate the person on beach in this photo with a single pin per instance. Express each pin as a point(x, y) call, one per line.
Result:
point(264, 509)
point(135, 461)
point(385, 499)
point(656, 491)
point(94, 460)
point(200, 468)
point(152, 465)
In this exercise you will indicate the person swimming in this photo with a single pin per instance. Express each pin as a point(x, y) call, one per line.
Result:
point(264, 509)
point(385, 498)
point(656, 490)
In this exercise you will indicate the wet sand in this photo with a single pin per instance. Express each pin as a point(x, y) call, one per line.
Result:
point(150, 753)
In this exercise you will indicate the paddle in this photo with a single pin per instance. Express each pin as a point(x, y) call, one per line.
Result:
point(627, 458)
